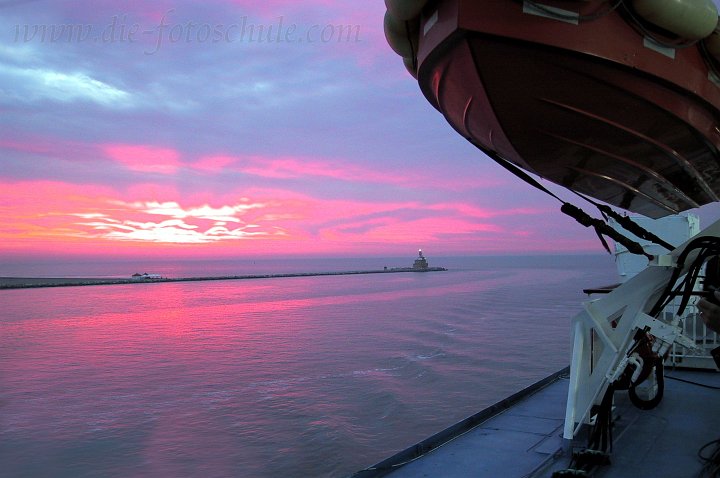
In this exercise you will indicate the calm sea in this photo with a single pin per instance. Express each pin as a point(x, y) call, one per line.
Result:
point(295, 377)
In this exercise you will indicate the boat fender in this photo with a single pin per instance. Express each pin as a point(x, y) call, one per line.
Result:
point(712, 44)
point(410, 66)
point(402, 42)
point(688, 19)
point(405, 10)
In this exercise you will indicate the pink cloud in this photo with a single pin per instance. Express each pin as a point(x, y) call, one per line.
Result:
point(214, 164)
point(32, 220)
point(293, 167)
point(49, 146)
point(471, 210)
point(152, 191)
point(144, 158)
point(422, 231)
point(26, 147)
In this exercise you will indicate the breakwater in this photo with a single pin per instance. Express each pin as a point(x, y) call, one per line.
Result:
point(36, 282)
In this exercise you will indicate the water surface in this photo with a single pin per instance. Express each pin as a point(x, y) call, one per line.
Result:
point(307, 376)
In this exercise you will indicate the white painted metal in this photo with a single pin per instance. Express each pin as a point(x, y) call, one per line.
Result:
point(604, 330)
point(673, 229)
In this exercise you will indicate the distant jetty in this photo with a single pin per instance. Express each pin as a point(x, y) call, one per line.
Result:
point(420, 265)
point(34, 282)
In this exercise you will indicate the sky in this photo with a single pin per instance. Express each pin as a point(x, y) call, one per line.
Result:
point(176, 129)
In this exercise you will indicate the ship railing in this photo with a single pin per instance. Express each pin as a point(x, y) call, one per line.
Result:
point(693, 328)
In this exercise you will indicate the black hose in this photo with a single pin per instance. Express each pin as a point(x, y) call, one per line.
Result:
point(655, 401)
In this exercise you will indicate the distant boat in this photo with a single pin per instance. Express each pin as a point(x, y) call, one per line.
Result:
point(146, 276)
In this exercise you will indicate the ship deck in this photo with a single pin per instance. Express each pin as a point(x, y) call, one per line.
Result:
point(522, 435)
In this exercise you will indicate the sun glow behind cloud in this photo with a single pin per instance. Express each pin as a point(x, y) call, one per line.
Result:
point(91, 214)
point(268, 221)
point(196, 225)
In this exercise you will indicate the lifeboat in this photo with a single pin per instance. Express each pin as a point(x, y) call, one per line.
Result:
point(617, 100)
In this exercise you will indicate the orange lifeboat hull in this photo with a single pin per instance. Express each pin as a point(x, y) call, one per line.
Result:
point(593, 106)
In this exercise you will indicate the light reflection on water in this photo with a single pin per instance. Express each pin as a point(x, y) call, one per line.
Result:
point(311, 376)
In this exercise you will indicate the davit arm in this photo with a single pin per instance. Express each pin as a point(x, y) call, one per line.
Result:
point(620, 339)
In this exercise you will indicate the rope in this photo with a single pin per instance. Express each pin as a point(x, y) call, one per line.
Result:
point(601, 228)
point(627, 223)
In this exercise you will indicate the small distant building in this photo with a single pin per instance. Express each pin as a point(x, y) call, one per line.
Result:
point(420, 263)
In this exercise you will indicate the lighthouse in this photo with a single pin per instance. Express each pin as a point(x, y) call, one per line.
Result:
point(420, 263)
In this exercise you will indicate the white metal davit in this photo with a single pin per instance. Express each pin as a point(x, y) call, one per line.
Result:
point(621, 340)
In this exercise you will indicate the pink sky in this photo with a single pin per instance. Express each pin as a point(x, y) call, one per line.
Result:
point(191, 138)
